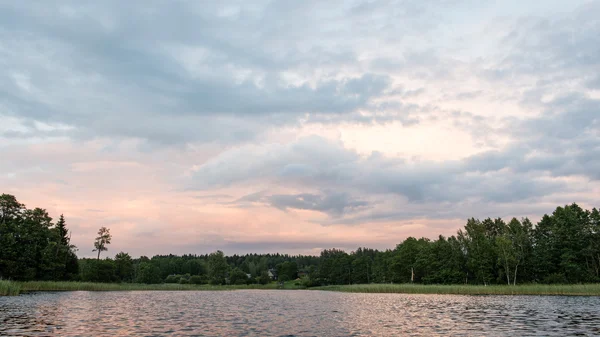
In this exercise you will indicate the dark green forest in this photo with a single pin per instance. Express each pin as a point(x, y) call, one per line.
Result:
point(563, 247)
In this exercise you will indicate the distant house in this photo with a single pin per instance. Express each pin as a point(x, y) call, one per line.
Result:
point(272, 274)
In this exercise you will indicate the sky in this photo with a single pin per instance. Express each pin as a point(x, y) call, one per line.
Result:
point(295, 126)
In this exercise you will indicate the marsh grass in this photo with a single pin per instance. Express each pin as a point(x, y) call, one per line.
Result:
point(88, 286)
point(525, 289)
point(14, 288)
point(9, 288)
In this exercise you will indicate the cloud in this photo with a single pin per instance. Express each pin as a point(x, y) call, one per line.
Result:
point(297, 124)
point(202, 76)
point(332, 203)
point(316, 163)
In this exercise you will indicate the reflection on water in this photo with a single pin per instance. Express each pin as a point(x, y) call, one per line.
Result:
point(294, 313)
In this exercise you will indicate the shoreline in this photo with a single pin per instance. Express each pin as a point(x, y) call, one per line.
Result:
point(35, 286)
point(590, 289)
point(15, 288)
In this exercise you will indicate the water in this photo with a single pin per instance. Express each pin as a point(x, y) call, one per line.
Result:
point(294, 313)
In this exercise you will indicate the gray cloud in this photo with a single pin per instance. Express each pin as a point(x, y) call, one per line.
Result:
point(187, 73)
point(109, 70)
point(332, 203)
point(316, 163)
point(250, 198)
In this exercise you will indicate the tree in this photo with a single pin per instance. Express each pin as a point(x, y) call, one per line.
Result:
point(61, 228)
point(478, 241)
point(287, 271)
point(361, 267)
point(10, 208)
point(561, 246)
point(592, 250)
point(93, 270)
point(545, 259)
point(237, 276)
point(439, 262)
point(148, 273)
point(196, 279)
point(124, 267)
point(217, 267)
point(506, 253)
point(34, 236)
point(571, 225)
point(264, 277)
point(10, 213)
point(404, 263)
point(335, 266)
point(102, 240)
point(64, 257)
point(31, 246)
point(514, 245)
point(194, 267)
point(381, 267)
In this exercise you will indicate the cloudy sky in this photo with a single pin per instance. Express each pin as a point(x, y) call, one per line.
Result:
point(293, 126)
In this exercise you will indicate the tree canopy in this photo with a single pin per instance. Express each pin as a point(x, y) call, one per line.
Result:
point(563, 247)
point(32, 247)
point(102, 240)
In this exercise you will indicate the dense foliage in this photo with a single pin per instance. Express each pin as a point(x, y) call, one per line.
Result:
point(563, 247)
point(31, 246)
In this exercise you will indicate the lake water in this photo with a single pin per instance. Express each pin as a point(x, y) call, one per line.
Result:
point(294, 313)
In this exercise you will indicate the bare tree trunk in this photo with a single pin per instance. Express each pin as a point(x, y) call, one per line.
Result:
point(506, 266)
point(515, 277)
point(412, 275)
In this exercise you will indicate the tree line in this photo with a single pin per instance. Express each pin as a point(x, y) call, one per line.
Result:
point(563, 247)
point(32, 247)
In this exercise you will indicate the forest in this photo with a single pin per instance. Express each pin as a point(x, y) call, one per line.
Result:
point(562, 248)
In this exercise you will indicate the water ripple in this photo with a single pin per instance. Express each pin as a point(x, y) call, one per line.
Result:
point(294, 313)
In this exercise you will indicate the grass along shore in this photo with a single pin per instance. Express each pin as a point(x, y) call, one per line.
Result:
point(15, 288)
point(522, 289)
point(89, 286)
point(8, 288)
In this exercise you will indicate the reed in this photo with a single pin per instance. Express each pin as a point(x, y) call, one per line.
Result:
point(88, 286)
point(525, 289)
point(9, 288)
point(14, 288)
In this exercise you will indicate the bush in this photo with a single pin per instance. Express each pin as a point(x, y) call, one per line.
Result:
point(173, 279)
point(556, 278)
point(183, 281)
point(93, 270)
point(238, 277)
point(197, 280)
point(217, 281)
point(148, 273)
point(264, 278)
point(308, 282)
